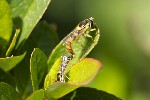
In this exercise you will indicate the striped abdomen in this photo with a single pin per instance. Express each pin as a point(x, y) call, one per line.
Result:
point(62, 68)
point(81, 28)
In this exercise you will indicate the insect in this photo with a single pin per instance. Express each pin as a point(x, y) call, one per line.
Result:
point(81, 28)
point(62, 68)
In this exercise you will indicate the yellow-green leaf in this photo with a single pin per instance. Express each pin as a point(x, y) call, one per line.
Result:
point(37, 95)
point(51, 76)
point(5, 23)
point(13, 43)
point(84, 71)
point(10, 62)
point(80, 74)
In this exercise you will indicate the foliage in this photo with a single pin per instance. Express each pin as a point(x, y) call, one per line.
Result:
point(24, 55)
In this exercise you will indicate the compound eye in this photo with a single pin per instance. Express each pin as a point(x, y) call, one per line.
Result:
point(90, 22)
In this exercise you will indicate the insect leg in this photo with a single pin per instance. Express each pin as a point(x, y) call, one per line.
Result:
point(89, 36)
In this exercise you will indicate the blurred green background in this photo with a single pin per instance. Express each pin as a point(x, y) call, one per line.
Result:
point(124, 46)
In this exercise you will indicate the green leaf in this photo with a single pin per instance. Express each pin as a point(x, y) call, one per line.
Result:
point(8, 93)
point(80, 74)
point(51, 76)
point(81, 51)
point(37, 95)
point(43, 37)
point(85, 93)
point(38, 67)
point(84, 71)
point(13, 43)
point(26, 14)
point(22, 75)
point(7, 78)
point(57, 90)
point(10, 62)
point(5, 24)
